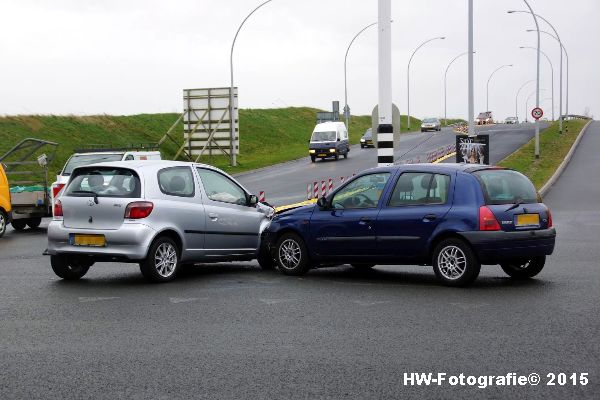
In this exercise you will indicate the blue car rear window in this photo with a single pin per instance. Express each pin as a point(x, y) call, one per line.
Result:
point(502, 186)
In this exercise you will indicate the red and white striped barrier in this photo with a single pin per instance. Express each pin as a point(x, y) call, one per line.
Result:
point(323, 189)
point(261, 197)
point(316, 190)
point(330, 188)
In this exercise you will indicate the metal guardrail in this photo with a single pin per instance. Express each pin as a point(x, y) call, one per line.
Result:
point(104, 147)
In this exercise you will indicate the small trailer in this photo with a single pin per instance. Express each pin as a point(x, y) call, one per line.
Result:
point(26, 167)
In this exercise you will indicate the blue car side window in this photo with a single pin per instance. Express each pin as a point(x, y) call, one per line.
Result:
point(415, 188)
point(363, 192)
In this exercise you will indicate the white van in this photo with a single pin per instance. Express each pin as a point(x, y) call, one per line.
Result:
point(329, 139)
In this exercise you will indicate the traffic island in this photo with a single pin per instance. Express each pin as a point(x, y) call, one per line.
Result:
point(554, 147)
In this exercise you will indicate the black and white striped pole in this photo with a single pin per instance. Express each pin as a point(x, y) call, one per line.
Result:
point(385, 131)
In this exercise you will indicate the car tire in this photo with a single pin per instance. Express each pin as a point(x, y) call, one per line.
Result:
point(455, 263)
point(68, 269)
point(18, 224)
point(313, 158)
point(162, 262)
point(291, 255)
point(363, 267)
point(346, 154)
point(3, 222)
point(265, 259)
point(34, 222)
point(337, 156)
point(422, 130)
point(526, 269)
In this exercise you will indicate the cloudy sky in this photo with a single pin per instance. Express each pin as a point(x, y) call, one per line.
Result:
point(136, 56)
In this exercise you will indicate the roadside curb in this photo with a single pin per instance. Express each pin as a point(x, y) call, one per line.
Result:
point(544, 189)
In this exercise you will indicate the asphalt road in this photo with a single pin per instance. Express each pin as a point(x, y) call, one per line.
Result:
point(287, 183)
point(234, 331)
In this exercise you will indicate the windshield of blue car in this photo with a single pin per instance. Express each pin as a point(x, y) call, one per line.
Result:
point(502, 186)
point(430, 120)
point(104, 182)
point(78, 160)
point(328, 136)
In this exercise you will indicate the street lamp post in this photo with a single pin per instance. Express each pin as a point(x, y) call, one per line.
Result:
point(487, 93)
point(517, 99)
point(346, 108)
point(471, 84)
point(551, 71)
point(535, 17)
point(561, 73)
point(408, 74)
point(232, 117)
point(445, 76)
point(537, 79)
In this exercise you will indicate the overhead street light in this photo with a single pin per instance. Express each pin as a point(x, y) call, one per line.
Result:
point(408, 74)
point(487, 92)
point(535, 17)
point(232, 116)
point(346, 108)
point(517, 98)
point(471, 84)
point(551, 70)
point(561, 73)
point(445, 78)
point(537, 78)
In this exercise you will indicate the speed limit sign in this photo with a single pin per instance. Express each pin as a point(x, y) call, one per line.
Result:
point(537, 113)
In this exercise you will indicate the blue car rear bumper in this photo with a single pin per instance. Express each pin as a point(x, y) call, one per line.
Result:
point(494, 247)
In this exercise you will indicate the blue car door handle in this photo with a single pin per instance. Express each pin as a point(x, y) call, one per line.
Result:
point(365, 221)
point(429, 217)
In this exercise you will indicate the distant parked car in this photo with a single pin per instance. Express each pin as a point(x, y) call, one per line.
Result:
point(484, 118)
point(329, 139)
point(160, 214)
point(511, 120)
point(367, 139)
point(452, 216)
point(431, 124)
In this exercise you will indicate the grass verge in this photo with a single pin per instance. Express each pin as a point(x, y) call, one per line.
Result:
point(267, 136)
point(553, 149)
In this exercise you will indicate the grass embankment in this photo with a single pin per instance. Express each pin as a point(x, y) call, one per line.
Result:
point(451, 121)
point(553, 149)
point(267, 136)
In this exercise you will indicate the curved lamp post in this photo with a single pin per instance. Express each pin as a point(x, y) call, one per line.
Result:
point(231, 105)
point(537, 29)
point(517, 98)
point(346, 108)
point(445, 76)
point(551, 71)
point(408, 74)
point(561, 73)
point(487, 92)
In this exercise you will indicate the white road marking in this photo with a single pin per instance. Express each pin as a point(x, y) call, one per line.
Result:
point(275, 301)
point(89, 299)
point(176, 300)
point(369, 303)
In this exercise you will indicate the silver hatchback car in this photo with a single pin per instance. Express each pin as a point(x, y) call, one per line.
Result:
point(160, 214)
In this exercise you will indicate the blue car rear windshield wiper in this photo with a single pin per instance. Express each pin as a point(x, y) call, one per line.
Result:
point(87, 192)
point(517, 204)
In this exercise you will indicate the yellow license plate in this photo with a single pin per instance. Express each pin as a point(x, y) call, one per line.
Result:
point(322, 155)
point(89, 240)
point(528, 219)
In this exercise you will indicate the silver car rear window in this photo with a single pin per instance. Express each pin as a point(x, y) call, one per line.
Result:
point(104, 182)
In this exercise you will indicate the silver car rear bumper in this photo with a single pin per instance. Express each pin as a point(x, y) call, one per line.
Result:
point(130, 241)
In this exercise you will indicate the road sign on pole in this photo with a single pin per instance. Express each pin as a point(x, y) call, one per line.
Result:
point(537, 113)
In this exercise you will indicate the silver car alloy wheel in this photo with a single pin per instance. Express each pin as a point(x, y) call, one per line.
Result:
point(452, 262)
point(165, 259)
point(2, 222)
point(289, 254)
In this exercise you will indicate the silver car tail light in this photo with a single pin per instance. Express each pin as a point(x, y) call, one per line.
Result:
point(138, 209)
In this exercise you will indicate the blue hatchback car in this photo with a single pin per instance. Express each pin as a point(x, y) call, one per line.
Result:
point(454, 217)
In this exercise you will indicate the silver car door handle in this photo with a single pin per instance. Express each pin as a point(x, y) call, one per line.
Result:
point(213, 216)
